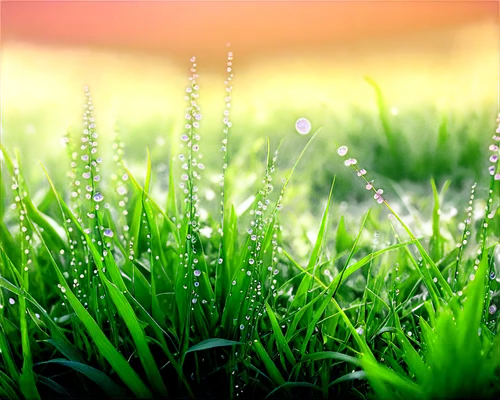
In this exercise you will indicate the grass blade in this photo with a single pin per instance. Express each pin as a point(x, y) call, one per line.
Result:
point(100, 378)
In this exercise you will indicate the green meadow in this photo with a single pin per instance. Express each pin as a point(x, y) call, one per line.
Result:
point(247, 249)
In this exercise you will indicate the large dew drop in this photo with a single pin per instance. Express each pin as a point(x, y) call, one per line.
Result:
point(98, 197)
point(108, 233)
point(303, 126)
point(342, 151)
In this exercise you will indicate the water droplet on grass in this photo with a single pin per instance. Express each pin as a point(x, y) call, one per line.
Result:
point(342, 151)
point(108, 233)
point(98, 197)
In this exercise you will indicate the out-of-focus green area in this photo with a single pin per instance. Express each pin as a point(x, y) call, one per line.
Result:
point(431, 116)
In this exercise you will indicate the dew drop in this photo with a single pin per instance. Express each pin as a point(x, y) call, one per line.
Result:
point(108, 233)
point(342, 151)
point(98, 197)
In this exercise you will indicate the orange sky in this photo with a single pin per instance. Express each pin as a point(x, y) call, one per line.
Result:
point(182, 28)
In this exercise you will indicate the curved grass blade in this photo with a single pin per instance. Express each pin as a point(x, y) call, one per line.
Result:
point(7, 387)
point(54, 386)
point(212, 343)
point(280, 338)
point(100, 378)
point(349, 377)
point(274, 373)
point(58, 338)
point(27, 380)
point(127, 313)
point(330, 355)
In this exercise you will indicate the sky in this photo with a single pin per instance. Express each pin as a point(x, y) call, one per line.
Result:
point(179, 29)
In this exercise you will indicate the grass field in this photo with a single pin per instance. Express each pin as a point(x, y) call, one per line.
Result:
point(269, 266)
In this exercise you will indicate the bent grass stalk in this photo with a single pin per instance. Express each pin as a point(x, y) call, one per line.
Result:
point(431, 266)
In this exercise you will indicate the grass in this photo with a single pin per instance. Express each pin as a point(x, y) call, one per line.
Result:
point(107, 292)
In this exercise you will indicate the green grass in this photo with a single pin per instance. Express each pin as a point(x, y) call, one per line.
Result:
point(107, 292)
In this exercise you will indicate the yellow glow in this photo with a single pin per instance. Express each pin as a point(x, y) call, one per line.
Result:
point(52, 83)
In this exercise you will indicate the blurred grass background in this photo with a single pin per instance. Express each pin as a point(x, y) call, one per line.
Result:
point(410, 107)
